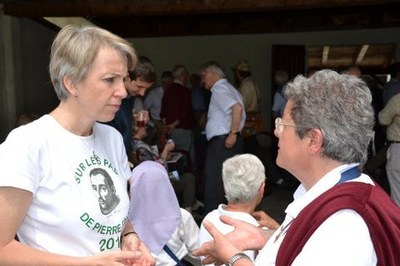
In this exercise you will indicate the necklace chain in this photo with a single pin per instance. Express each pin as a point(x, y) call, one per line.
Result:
point(91, 149)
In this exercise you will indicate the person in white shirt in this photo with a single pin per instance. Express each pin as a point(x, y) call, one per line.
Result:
point(63, 190)
point(323, 140)
point(244, 183)
point(225, 120)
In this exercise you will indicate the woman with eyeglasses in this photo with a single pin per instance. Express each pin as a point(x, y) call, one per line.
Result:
point(339, 216)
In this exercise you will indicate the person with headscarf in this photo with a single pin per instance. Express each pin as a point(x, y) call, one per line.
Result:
point(156, 216)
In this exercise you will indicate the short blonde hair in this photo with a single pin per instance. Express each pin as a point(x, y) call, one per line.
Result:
point(74, 50)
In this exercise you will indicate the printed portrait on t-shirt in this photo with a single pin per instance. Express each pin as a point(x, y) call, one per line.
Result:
point(104, 187)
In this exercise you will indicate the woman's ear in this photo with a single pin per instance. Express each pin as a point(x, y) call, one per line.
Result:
point(72, 89)
point(316, 142)
point(261, 189)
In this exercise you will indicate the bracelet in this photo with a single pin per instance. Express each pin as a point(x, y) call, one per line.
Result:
point(131, 232)
point(237, 257)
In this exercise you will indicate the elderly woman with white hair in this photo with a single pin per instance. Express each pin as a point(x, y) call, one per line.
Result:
point(243, 177)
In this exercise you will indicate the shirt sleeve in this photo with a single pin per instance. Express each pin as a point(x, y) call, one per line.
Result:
point(225, 99)
point(190, 238)
point(19, 159)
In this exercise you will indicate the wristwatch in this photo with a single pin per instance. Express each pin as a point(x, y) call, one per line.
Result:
point(237, 257)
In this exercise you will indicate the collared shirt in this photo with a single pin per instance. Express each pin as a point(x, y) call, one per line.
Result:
point(153, 101)
point(179, 82)
point(342, 239)
point(390, 117)
point(213, 217)
point(223, 97)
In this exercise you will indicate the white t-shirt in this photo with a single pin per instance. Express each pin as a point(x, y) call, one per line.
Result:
point(342, 239)
point(183, 241)
point(72, 212)
point(213, 217)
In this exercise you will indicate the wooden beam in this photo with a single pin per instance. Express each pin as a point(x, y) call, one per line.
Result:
point(144, 18)
point(52, 8)
point(325, 55)
point(248, 23)
point(362, 53)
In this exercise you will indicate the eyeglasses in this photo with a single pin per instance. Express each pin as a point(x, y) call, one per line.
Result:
point(280, 125)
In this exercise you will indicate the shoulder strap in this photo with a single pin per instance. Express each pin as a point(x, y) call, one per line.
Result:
point(379, 212)
point(173, 256)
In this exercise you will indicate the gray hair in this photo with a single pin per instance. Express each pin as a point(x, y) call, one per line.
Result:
point(281, 77)
point(213, 67)
point(179, 70)
point(74, 50)
point(340, 106)
point(242, 176)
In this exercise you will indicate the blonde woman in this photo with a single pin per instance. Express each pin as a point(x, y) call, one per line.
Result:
point(52, 200)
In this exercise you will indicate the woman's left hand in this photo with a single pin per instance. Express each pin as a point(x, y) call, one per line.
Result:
point(132, 242)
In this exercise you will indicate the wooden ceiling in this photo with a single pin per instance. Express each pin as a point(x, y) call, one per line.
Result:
point(155, 18)
point(370, 58)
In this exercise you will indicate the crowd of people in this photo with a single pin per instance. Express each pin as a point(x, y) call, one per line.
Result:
point(339, 216)
point(97, 183)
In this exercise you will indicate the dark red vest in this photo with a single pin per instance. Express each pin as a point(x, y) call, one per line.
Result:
point(379, 212)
